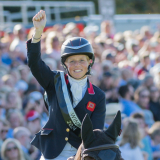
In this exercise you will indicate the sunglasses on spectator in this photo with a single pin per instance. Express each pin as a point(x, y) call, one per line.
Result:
point(144, 96)
point(11, 148)
point(154, 90)
point(4, 131)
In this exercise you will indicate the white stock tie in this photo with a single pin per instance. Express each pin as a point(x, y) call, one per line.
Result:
point(78, 88)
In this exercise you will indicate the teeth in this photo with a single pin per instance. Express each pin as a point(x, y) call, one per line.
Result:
point(77, 70)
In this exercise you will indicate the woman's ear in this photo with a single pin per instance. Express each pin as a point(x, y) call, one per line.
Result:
point(90, 61)
point(66, 64)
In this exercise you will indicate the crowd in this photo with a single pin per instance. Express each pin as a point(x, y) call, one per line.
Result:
point(127, 69)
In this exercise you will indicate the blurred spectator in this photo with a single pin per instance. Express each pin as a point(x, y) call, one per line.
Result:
point(36, 103)
point(24, 71)
point(51, 63)
point(109, 55)
point(5, 54)
point(1, 126)
point(154, 132)
point(148, 81)
point(8, 80)
point(4, 129)
point(13, 100)
point(23, 135)
point(106, 30)
point(71, 29)
point(15, 119)
point(53, 47)
point(15, 74)
point(33, 121)
point(11, 150)
point(111, 110)
point(144, 65)
point(142, 99)
point(126, 95)
point(106, 84)
point(106, 81)
point(130, 142)
point(21, 87)
point(146, 32)
point(146, 142)
point(132, 47)
point(106, 66)
point(154, 104)
point(126, 74)
point(19, 43)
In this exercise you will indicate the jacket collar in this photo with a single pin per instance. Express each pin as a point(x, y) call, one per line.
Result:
point(89, 84)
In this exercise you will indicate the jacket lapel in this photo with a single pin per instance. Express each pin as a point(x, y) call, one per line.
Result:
point(81, 108)
point(89, 96)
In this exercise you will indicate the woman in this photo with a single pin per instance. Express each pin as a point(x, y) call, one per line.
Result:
point(11, 150)
point(68, 97)
point(142, 97)
point(154, 104)
point(15, 119)
point(129, 145)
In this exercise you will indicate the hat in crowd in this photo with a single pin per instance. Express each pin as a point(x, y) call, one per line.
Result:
point(108, 54)
point(90, 29)
point(35, 96)
point(32, 115)
point(106, 63)
point(112, 109)
point(107, 74)
point(69, 27)
point(21, 85)
point(119, 46)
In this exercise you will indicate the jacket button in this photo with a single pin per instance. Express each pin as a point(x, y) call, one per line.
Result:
point(66, 139)
point(67, 129)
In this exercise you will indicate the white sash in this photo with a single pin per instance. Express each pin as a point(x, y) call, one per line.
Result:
point(70, 109)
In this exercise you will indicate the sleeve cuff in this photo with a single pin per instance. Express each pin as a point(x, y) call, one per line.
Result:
point(33, 47)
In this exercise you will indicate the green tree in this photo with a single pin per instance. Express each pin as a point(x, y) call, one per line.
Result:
point(137, 6)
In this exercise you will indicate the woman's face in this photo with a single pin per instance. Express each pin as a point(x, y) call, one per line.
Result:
point(14, 120)
point(55, 43)
point(77, 65)
point(154, 93)
point(144, 98)
point(11, 151)
point(12, 98)
point(4, 131)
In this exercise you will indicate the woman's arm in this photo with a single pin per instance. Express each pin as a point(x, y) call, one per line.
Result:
point(39, 69)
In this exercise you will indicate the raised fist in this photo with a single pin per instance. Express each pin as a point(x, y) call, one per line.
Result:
point(39, 20)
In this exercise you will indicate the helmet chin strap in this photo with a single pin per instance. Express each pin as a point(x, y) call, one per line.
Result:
point(87, 73)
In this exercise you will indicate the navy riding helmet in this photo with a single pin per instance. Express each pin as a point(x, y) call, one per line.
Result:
point(77, 46)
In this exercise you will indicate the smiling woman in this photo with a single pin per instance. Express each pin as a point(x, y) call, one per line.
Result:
point(68, 97)
point(78, 65)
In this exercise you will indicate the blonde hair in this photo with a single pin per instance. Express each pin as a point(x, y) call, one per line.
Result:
point(6, 77)
point(49, 39)
point(18, 145)
point(131, 133)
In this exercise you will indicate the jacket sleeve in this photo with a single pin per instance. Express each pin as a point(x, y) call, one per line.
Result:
point(39, 69)
point(98, 116)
